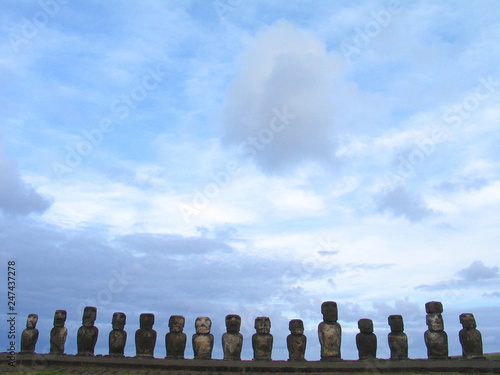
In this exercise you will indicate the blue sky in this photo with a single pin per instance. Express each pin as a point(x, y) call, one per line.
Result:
point(206, 158)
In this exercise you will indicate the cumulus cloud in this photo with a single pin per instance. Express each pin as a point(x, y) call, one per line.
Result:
point(16, 196)
point(477, 271)
point(401, 202)
point(279, 108)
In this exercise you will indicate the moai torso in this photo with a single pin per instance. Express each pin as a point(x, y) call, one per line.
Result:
point(232, 340)
point(59, 333)
point(87, 333)
point(29, 337)
point(470, 338)
point(118, 337)
point(329, 332)
point(175, 340)
point(296, 341)
point(262, 341)
point(366, 341)
point(435, 337)
point(398, 341)
point(145, 336)
point(203, 340)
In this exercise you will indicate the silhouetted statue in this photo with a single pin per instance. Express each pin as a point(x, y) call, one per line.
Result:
point(175, 340)
point(59, 333)
point(366, 341)
point(329, 332)
point(262, 341)
point(145, 336)
point(296, 341)
point(29, 336)
point(470, 338)
point(232, 340)
point(118, 337)
point(87, 333)
point(203, 340)
point(436, 338)
point(398, 341)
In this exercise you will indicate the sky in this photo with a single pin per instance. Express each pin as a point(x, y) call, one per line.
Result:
point(205, 158)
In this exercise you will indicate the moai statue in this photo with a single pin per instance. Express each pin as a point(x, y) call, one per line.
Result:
point(203, 340)
point(29, 336)
point(59, 333)
point(366, 341)
point(436, 338)
point(470, 338)
point(87, 333)
point(145, 337)
point(262, 341)
point(232, 340)
point(175, 340)
point(296, 341)
point(329, 332)
point(118, 337)
point(398, 341)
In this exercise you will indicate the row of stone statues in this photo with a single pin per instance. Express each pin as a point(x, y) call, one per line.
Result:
point(329, 333)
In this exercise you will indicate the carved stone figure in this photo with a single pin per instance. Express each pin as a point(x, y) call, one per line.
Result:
point(262, 341)
point(296, 341)
point(232, 340)
point(145, 336)
point(436, 338)
point(470, 338)
point(87, 333)
point(366, 340)
point(203, 340)
point(398, 341)
point(29, 336)
point(118, 337)
point(329, 332)
point(59, 333)
point(175, 340)
point(433, 307)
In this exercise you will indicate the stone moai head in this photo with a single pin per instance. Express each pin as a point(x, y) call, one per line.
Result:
point(176, 323)
point(296, 327)
point(89, 316)
point(203, 325)
point(365, 325)
point(435, 322)
point(31, 321)
point(262, 324)
point(467, 320)
point(329, 311)
point(60, 318)
point(396, 323)
point(146, 321)
point(233, 323)
point(433, 307)
point(119, 320)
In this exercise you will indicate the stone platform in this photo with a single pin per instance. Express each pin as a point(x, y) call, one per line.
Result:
point(130, 365)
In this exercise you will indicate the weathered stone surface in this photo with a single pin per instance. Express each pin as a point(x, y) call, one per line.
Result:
point(232, 340)
point(398, 341)
point(330, 332)
point(296, 341)
point(59, 333)
point(470, 338)
point(118, 337)
point(29, 337)
point(145, 336)
point(262, 341)
point(433, 307)
point(203, 340)
point(175, 340)
point(87, 333)
point(366, 340)
point(435, 337)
